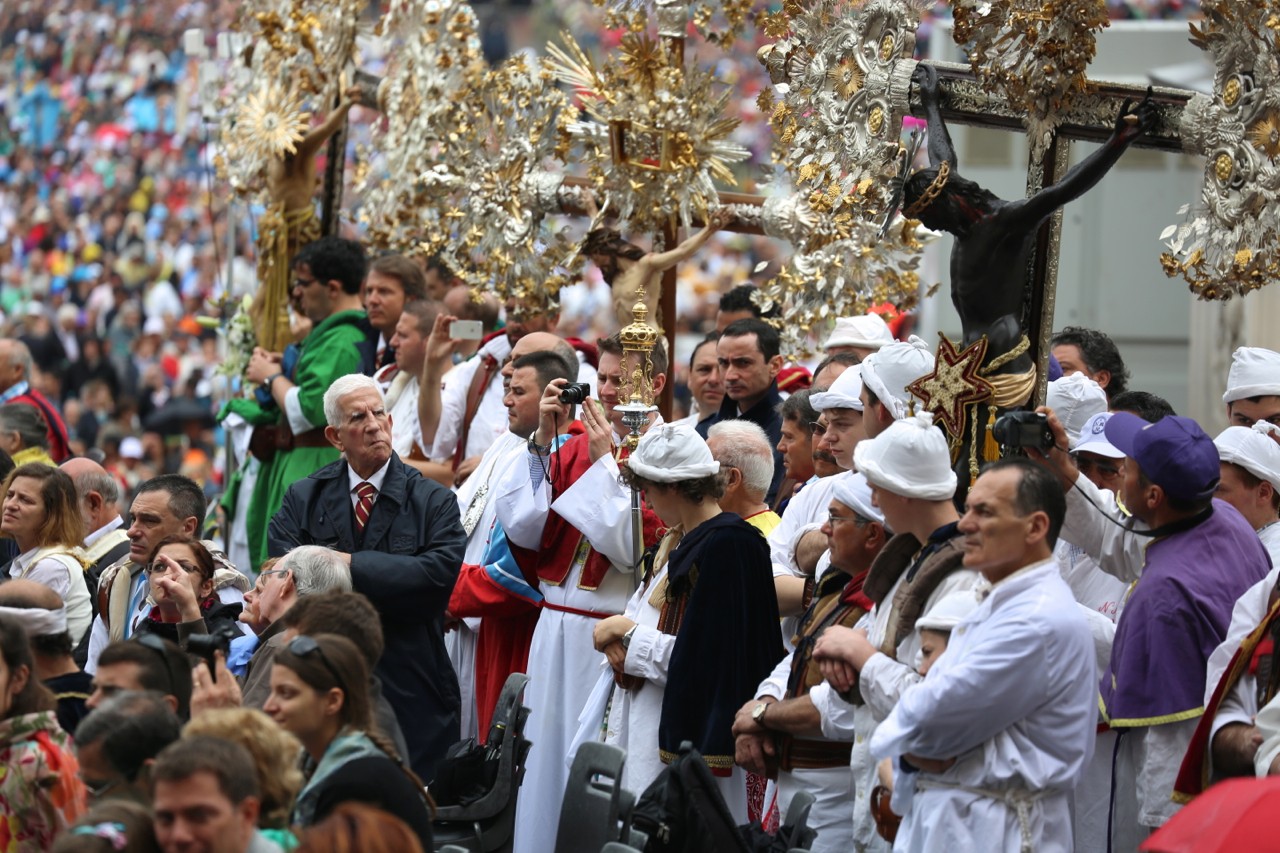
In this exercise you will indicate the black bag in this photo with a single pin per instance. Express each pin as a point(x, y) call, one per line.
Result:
point(683, 811)
point(466, 774)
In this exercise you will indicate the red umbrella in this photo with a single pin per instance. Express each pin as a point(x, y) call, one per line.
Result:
point(1236, 815)
point(110, 133)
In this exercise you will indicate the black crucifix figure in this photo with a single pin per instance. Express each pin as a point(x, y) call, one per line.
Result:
point(994, 238)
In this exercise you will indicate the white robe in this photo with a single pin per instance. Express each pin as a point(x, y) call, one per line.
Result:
point(490, 419)
point(475, 507)
point(634, 715)
point(1013, 698)
point(563, 662)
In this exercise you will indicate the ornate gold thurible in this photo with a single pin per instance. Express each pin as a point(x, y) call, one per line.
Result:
point(638, 338)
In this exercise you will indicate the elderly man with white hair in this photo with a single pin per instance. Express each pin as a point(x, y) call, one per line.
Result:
point(746, 457)
point(701, 630)
point(789, 722)
point(402, 538)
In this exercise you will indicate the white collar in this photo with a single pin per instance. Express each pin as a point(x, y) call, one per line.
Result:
point(354, 479)
point(103, 531)
point(984, 587)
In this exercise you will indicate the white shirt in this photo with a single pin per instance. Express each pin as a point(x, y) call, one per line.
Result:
point(490, 420)
point(1013, 699)
point(354, 480)
point(103, 531)
point(401, 396)
point(70, 586)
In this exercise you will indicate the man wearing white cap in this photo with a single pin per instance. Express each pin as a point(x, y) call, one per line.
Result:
point(1249, 461)
point(699, 634)
point(885, 377)
point(908, 467)
point(795, 719)
point(989, 747)
point(797, 544)
point(858, 335)
point(1253, 387)
point(1081, 406)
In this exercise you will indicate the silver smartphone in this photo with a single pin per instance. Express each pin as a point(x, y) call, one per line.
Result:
point(466, 330)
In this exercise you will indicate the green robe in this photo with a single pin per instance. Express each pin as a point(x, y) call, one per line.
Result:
point(327, 353)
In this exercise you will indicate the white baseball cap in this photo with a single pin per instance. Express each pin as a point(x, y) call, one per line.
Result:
point(1093, 438)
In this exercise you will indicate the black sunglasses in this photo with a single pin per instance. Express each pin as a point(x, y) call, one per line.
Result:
point(158, 645)
point(304, 646)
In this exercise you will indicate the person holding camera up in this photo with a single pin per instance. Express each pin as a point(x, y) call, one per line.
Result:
point(566, 513)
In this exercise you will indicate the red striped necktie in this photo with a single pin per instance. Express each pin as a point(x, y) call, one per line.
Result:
point(365, 493)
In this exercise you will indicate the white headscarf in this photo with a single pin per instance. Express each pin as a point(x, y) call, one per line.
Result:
point(1255, 372)
point(672, 452)
point(910, 459)
point(1253, 449)
point(852, 490)
point(889, 371)
point(845, 392)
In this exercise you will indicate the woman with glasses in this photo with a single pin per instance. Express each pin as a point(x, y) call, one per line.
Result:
point(40, 790)
point(183, 587)
point(41, 514)
point(699, 634)
point(320, 694)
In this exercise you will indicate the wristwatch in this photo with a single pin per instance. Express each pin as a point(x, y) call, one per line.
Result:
point(757, 714)
point(272, 378)
point(534, 447)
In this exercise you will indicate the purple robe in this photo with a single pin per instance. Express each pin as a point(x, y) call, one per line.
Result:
point(1177, 615)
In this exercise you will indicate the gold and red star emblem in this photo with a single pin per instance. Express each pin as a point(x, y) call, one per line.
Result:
point(954, 383)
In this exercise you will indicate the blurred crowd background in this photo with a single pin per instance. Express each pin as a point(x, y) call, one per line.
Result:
point(114, 231)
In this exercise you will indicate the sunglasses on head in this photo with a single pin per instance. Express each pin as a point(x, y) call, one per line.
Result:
point(304, 646)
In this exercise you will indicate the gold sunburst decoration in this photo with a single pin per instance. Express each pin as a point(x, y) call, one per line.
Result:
point(272, 123)
point(1265, 135)
point(846, 77)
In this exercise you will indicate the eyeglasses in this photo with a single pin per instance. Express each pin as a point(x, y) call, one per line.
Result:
point(1086, 464)
point(303, 283)
point(817, 427)
point(858, 520)
point(269, 572)
point(158, 567)
point(160, 647)
point(304, 646)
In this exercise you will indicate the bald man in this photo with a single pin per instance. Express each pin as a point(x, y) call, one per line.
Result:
point(99, 496)
point(42, 614)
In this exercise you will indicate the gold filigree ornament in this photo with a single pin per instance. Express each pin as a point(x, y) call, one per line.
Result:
point(413, 190)
point(510, 184)
point(1229, 244)
point(842, 78)
point(657, 140)
point(271, 123)
point(720, 22)
point(296, 49)
point(1031, 53)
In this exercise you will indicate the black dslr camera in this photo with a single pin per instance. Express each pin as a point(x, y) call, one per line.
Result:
point(1023, 429)
point(575, 393)
point(204, 645)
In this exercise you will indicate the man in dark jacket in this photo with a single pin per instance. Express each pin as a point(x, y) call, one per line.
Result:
point(404, 541)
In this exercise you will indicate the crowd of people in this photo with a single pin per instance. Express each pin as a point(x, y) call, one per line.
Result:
point(1053, 656)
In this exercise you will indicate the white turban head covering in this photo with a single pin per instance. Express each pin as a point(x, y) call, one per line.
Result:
point(889, 371)
point(1075, 399)
point(845, 392)
point(869, 331)
point(910, 459)
point(37, 621)
point(852, 490)
point(1253, 449)
point(672, 452)
point(1255, 372)
point(949, 611)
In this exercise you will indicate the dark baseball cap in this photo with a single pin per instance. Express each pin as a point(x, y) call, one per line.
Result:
point(1174, 453)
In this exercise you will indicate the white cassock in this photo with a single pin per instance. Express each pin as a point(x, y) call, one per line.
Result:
point(563, 662)
point(1014, 699)
point(634, 715)
point(476, 510)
